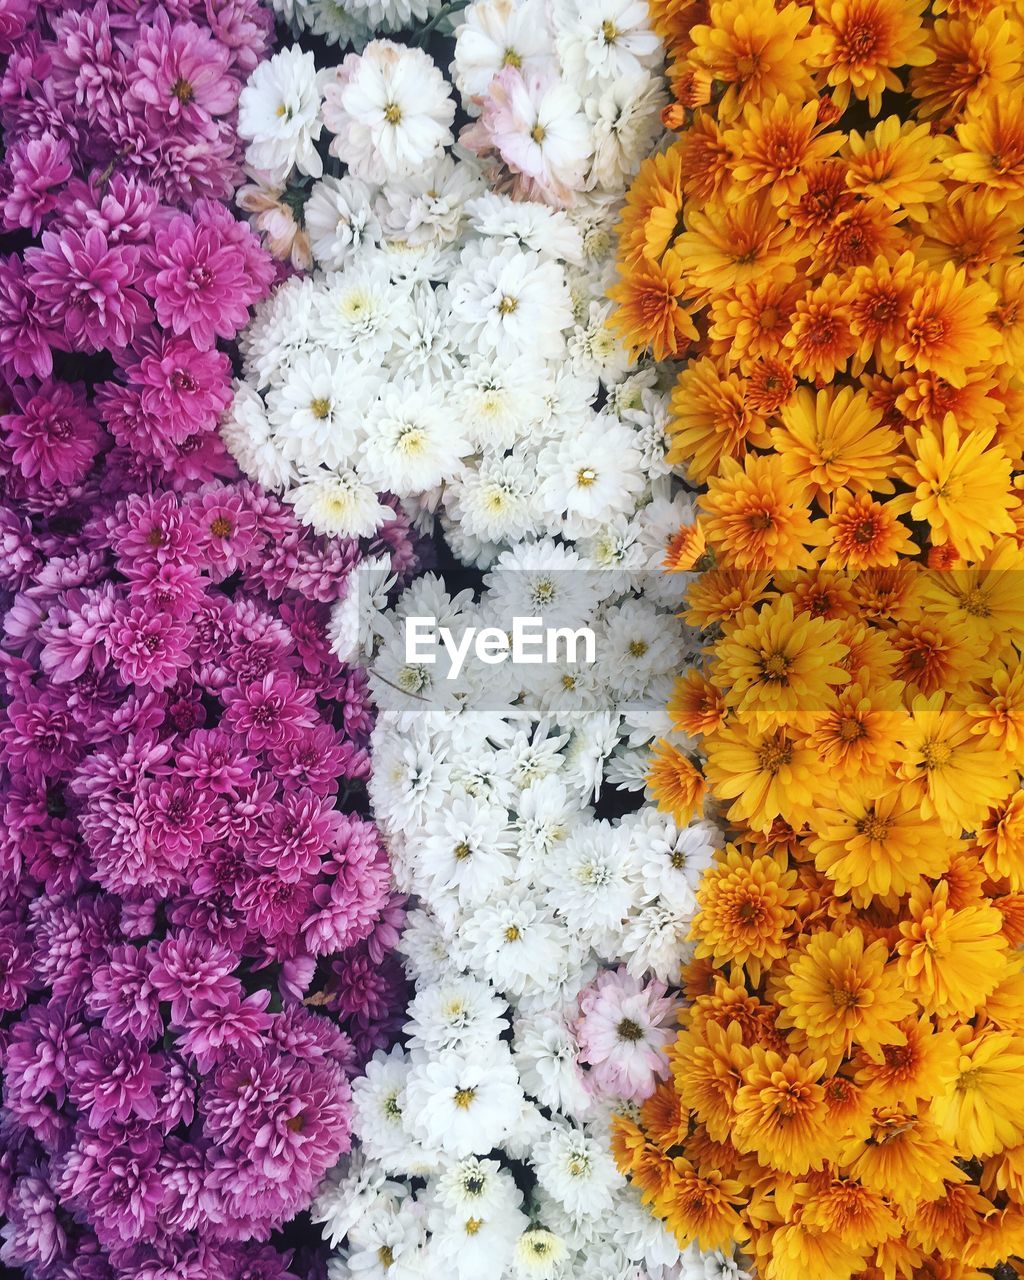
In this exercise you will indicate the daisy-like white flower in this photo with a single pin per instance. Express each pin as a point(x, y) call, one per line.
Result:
point(495, 34)
point(246, 433)
point(408, 441)
point(546, 1054)
point(338, 504)
point(591, 476)
point(611, 39)
point(576, 1170)
point(431, 204)
point(409, 779)
point(393, 15)
point(639, 645)
point(510, 302)
point(377, 1111)
point(539, 1255)
point(340, 220)
point(389, 109)
point(466, 850)
point(355, 310)
point(592, 877)
point(497, 402)
point(355, 619)
point(495, 500)
point(535, 124)
point(458, 1013)
point(316, 410)
point(526, 225)
point(279, 112)
point(625, 120)
point(545, 580)
point(461, 1105)
point(387, 1243)
point(516, 942)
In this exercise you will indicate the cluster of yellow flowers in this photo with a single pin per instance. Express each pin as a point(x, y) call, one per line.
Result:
point(831, 250)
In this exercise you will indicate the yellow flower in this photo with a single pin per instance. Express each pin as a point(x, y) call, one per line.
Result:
point(749, 321)
point(759, 51)
point(860, 533)
point(906, 1073)
point(711, 419)
point(676, 784)
point(950, 961)
point(653, 204)
point(756, 517)
point(774, 143)
point(701, 1208)
point(708, 1072)
point(856, 1214)
point(725, 246)
point(878, 297)
point(969, 233)
point(766, 775)
point(839, 993)
point(798, 1250)
point(961, 487)
point(953, 774)
point(777, 669)
point(903, 1157)
point(650, 312)
point(874, 842)
point(746, 910)
point(866, 41)
point(780, 1112)
point(986, 598)
point(979, 1105)
point(991, 154)
point(820, 337)
point(977, 58)
point(897, 163)
point(832, 439)
point(947, 326)
point(999, 714)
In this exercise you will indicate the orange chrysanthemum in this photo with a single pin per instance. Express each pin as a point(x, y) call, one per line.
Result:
point(696, 707)
point(860, 533)
point(747, 910)
point(947, 326)
point(780, 1112)
point(820, 338)
point(711, 420)
point(676, 784)
point(756, 517)
point(774, 142)
point(834, 440)
point(650, 313)
point(866, 41)
point(976, 59)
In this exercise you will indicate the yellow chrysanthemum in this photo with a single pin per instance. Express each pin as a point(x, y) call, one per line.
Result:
point(839, 992)
point(746, 910)
point(947, 327)
point(906, 1073)
point(991, 151)
point(978, 1106)
point(976, 59)
point(773, 144)
point(950, 961)
point(898, 162)
point(866, 41)
point(711, 419)
point(780, 1112)
point(833, 440)
point(766, 775)
point(676, 784)
point(756, 517)
point(903, 1157)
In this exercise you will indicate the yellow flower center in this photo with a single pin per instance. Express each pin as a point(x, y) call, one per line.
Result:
point(773, 755)
point(508, 306)
point(637, 648)
point(585, 477)
point(320, 408)
point(462, 851)
point(464, 1097)
point(385, 1255)
point(393, 113)
point(873, 827)
point(935, 754)
point(609, 31)
point(512, 59)
point(775, 666)
point(512, 934)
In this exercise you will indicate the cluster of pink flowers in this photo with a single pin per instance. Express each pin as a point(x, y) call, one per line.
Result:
point(196, 914)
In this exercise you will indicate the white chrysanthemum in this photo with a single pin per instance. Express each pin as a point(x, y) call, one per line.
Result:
point(638, 645)
point(346, 1195)
point(498, 402)
point(340, 220)
point(495, 34)
point(494, 501)
point(389, 109)
point(530, 757)
point(432, 204)
point(466, 851)
point(335, 21)
point(393, 15)
point(279, 112)
point(338, 505)
point(539, 1255)
point(716, 1265)
point(516, 942)
point(607, 38)
point(592, 877)
point(546, 816)
point(524, 224)
point(246, 433)
point(389, 1240)
point(546, 1054)
point(462, 1106)
point(355, 619)
point(282, 327)
point(424, 946)
point(509, 301)
point(316, 410)
point(591, 476)
point(594, 348)
point(456, 1014)
point(673, 859)
point(655, 940)
point(377, 1112)
point(625, 118)
point(422, 347)
point(576, 1170)
point(409, 780)
point(408, 441)
point(545, 580)
point(475, 1185)
point(355, 310)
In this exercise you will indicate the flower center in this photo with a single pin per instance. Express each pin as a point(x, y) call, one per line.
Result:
point(538, 133)
point(462, 851)
point(508, 306)
point(512, 934)
point(637, 648)
point(320, 407)
point(385, 1255)
point(511, 59)
point(585, 477)
point(220, 527)
point(609, 31)
point(629, 1031)
point(473, 1225)
point(182, 90)
point(393, 113)
point(464, 1098)
point(935, 754)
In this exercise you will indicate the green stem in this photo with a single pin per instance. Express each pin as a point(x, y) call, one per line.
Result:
point(454, 7)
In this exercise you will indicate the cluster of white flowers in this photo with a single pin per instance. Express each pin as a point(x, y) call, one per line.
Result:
point(452, 345)
point(541, 943)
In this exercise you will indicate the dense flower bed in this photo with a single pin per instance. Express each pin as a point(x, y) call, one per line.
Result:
point(195, 929)
point(830, 249)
